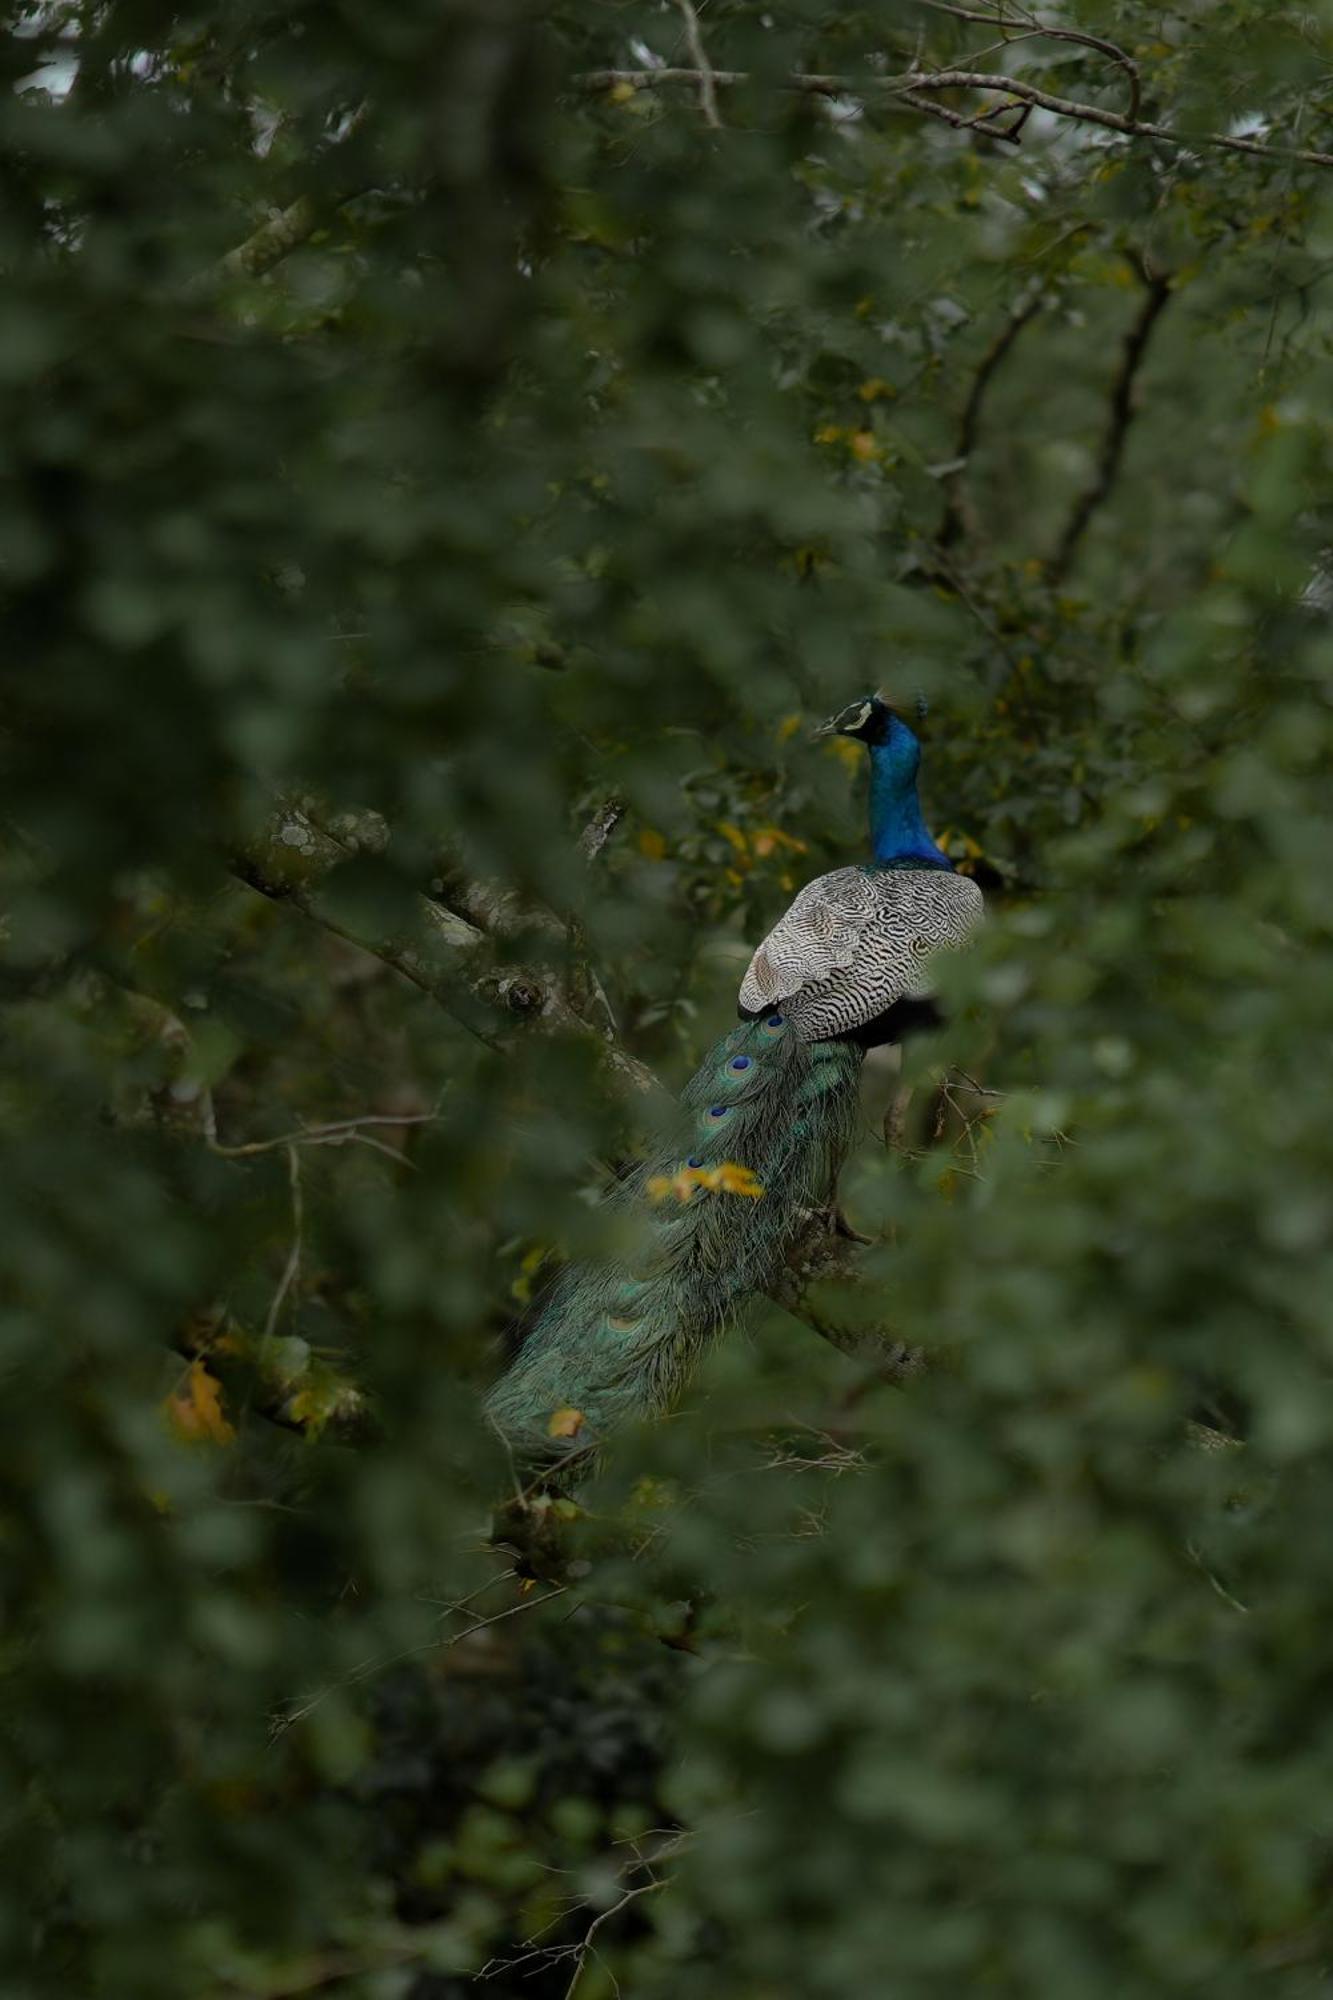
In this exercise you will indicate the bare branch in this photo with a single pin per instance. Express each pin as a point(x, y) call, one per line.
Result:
point(272, 241)
point(280, 235)
point(439, 951)
point(1118, 421)
point(699, 56)
point(291, 1269)
point(586, 989)
point(913, 87)
point(368, 1668)
point(958, 515)
point(948, 116)
point(576, 1954)
point(336, 1133)
point(1027, 24)
point(662, 79)
point(823, 1256)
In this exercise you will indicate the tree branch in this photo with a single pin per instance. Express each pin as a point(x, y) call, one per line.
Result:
point(438, 951)
point(916, 86)
point(699, 56)
point(823, 1273)
point(282, 233)
point(1118, 422)
point(272, 241)
point(1006, 134)
point(1027, 24)
point(958, 517)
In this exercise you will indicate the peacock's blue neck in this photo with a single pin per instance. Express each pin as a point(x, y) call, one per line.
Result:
point(897, 830)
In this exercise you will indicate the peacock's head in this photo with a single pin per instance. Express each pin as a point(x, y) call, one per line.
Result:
point(871, 720)
point(878, 726)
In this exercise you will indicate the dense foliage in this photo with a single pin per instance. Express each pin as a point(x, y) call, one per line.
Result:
point(413, 448)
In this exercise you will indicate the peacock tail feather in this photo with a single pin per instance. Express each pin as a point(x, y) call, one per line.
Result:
point(765, 1124)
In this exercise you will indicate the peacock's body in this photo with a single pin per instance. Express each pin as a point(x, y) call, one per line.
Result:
point(766, 1122)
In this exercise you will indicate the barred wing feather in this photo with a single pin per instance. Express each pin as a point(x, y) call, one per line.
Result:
point(819, 934)
point(854, 942)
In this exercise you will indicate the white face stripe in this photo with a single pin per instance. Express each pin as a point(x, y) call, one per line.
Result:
point(860, 719)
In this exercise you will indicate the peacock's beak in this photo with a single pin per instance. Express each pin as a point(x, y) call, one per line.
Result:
point(829, 728)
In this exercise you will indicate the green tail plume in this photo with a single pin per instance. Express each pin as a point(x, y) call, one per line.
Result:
point(614, 1342)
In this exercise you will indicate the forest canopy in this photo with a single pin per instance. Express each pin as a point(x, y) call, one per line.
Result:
point(452, 453)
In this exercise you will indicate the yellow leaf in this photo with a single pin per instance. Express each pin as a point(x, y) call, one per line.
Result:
point(304, 1408)
point(733, 834)
point(521, 1289)
point(864, 447)
point(870, 391)
point(321, 1401)
point(788, 727)
point(731, 1178)
point(767, 840)
point(565, 1423)
point(194, 1411)
point(621, 93)
point(652, 844)
point(810, 561)
point(830, 433)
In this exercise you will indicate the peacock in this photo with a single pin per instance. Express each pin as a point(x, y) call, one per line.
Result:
point(765, 1123)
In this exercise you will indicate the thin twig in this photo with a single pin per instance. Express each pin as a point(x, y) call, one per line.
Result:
point(946, 116)
point(699, 56)
point(1027, 24)
point(723, 79)
point(291, 1269)
point(590, 994)
point(369, 1667)
point(333, 1134)
point(378, 1146)
point(580, 1949)
point(947, 571)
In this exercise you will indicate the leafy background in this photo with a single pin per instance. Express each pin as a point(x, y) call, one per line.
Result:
point(411, 452)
